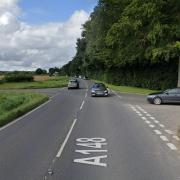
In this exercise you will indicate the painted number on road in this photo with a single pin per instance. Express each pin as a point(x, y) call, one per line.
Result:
point(95, 146)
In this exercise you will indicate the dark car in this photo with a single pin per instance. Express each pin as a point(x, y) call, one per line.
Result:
point(73, 84)
point(168, 96)
point(99, 89)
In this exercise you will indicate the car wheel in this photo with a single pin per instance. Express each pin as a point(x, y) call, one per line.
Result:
point(157, 101)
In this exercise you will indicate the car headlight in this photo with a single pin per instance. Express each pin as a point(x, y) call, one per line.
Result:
point(93, 91)
point(106, 91)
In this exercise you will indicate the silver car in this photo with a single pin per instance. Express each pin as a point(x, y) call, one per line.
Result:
point(73, 84)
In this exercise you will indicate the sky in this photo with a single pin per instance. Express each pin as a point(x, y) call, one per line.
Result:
point(36, 33)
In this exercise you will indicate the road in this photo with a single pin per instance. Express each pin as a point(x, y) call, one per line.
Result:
point(77, 137)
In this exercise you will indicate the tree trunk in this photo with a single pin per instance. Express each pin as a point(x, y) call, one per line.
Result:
point(179, 73)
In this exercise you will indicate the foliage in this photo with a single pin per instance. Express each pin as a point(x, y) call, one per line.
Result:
point(18, 77)
point(13, 105)
point(138, 34)
point(57, 82)
point(40, 71)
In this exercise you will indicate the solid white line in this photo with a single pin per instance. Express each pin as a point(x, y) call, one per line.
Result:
point(157, 132)
point(164, 138)
point(172, 146)
point(20, 118)
point(82, 105)
point(66, 139)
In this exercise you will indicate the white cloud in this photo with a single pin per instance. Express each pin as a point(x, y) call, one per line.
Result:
point(27, 47)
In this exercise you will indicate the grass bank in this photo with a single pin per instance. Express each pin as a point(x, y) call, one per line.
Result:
point(14, 105)
point(129, 90)
point(39, 83)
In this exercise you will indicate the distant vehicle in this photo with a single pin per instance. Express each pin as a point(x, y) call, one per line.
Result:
point(73, 84)
point(99, 89)
point(168, 96)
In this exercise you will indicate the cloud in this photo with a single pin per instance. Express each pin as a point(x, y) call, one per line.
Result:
point(27, 47)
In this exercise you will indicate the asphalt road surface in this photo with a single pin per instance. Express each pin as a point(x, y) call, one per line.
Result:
point(77, 137)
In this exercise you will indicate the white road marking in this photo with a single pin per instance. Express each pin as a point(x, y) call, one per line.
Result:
point(66, 139)
point(152, 126)
point(157, 132)
point(162, 125)
point(148, 115)
point(156, 122)
point(86, 95)
point(172, 146)
point(82, 105)
point(90, 151)
point(117, 94)
point(164, 138)
point(144, 118)
point(153, 118)
point(95, 161)
point(169, 131)
point(20, 118)
point(148, 122)
point(177, 138)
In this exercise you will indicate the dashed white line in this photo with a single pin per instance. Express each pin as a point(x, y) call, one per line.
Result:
point(152, 126)
point(148, 122)
point(66, 139)
point(172, 146)
point(161, 125)
point(144, 118)
point(156, 122)
point(153, 118)
point(164, 138)
point(157, 132)
point(169, 131)
point(82, 105)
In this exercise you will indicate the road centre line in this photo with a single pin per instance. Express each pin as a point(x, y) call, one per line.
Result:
point(161, 125)
point(82, 105)
point(20, 118)
point(66, 139)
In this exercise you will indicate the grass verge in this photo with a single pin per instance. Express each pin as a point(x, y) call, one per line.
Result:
point(56, 82)
point(14, 105)
point(128, 89)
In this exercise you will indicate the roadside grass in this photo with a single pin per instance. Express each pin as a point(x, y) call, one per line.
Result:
point(128, 89)
point(39, 83)
point(14, 105)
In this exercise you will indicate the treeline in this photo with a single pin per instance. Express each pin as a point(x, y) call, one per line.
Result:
point(130, 42)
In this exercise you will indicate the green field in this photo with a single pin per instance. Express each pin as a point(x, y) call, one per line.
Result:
point(130, 90)
point(13, 105)
point(55, 82)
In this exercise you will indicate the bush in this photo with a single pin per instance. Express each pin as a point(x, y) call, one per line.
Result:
point(158, 76)
point(18, 77)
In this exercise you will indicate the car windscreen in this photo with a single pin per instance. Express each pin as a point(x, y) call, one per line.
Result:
point(99, 86)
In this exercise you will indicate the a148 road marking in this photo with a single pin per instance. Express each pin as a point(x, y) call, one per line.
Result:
point(93, 146)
